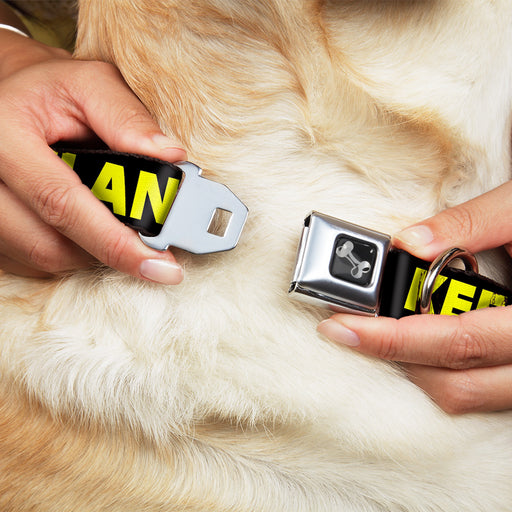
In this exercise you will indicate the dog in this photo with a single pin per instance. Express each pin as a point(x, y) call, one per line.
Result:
point(218, 394)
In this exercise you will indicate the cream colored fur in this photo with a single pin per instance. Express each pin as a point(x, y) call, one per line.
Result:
point(217, 394)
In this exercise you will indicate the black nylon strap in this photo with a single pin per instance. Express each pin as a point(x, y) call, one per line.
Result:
point(138, 190)
point(352, 269)
point(455, 290)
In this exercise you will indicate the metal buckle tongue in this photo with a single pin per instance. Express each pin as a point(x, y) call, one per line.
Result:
point(188, 221)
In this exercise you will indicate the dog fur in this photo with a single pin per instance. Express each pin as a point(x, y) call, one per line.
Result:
point(217, 394)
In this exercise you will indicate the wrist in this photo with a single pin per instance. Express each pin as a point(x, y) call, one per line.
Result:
point(11, 28)
point(18, 52)
point(9, 18)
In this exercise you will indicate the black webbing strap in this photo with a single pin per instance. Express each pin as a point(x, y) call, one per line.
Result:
point(352, 269)
point(138, 190)
point(455, 291)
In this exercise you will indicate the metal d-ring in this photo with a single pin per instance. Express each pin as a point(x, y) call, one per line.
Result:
point(435, 269)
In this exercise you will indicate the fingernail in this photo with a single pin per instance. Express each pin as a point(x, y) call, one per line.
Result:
point(338, 333)
point(164, 143)
point(416, 236)
point(161, 271)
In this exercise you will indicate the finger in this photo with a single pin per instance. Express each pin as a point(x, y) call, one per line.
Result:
point(463, 391)
point(15, 267)
point(117, 116)
point(476, 225)
point(52, 190)
point(473, 339)
point(29, 242)
point(61, 201)
point(59, 100)
point(19, 52)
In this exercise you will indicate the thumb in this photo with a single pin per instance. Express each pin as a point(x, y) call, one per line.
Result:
point(119, 118)
point(479, 224)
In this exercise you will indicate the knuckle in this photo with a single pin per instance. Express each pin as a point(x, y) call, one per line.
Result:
point(116, 248)
point(99, 69)
point(54, 204)
point(78, 83)
point(460, 394)
point(133, 116)
point(43, 257)
point(460, 220)
point(59, 53)
point(389, 345)
point(386, 349)
point(465, 348)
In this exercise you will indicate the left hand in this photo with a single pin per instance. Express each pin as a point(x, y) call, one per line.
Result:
point(463, 362)
point(50, 222)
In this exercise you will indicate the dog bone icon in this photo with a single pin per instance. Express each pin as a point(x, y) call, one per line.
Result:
point(358, 267)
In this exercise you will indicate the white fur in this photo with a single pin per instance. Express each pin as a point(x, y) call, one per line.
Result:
point(295, 423)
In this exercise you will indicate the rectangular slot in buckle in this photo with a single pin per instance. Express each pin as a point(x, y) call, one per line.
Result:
point(190, 224)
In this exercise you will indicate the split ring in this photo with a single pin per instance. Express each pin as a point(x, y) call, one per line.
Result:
point(435, 269)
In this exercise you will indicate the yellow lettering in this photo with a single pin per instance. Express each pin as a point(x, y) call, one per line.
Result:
point(453, 299)
point(414, 290)
point(148, 186)
point(69, 158)
point(488, 298)
point(416, 286)
point(113, 175)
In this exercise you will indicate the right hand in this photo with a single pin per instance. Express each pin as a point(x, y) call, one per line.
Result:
point(50, 221)
point(463, 362)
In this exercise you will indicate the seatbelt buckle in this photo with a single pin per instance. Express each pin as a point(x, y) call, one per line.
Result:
point(340, 265)
point(188, 223)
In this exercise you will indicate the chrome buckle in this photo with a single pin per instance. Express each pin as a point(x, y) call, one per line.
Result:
point(188, 221)
point(339, 265)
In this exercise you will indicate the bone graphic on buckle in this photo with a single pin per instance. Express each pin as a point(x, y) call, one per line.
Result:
point(324, 262)
point(358, 267)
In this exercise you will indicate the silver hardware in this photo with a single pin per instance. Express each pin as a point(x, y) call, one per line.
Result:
point(192, 211)
point(435, 269)
point(356, 287)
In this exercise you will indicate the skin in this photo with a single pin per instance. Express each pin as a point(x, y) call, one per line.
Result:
point(463, 362)
point(51, 222)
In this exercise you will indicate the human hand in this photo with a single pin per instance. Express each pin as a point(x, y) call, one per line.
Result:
point(51, 222)
point(463, 362)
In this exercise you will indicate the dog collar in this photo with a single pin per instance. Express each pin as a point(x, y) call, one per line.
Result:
point(351, 269)
point(169, 204)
